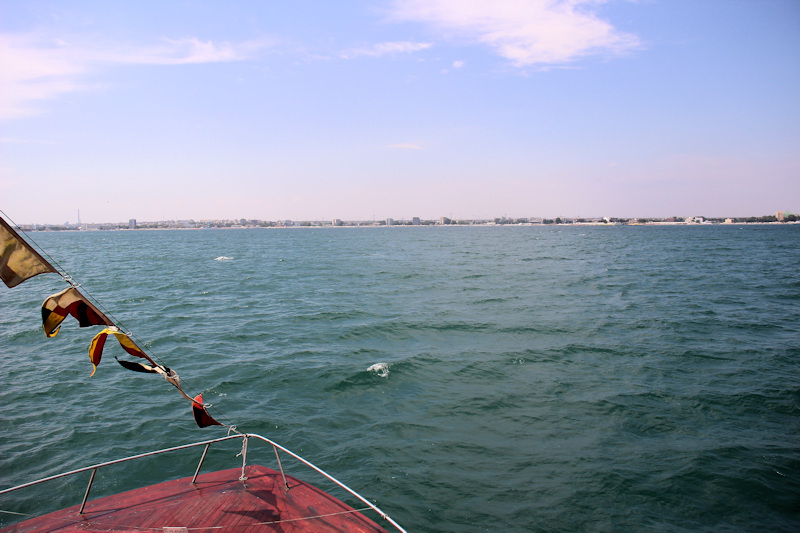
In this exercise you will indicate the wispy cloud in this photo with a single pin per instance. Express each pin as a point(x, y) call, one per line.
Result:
point(14, 140)
point(525, 32)
point(37, 69)
point(405, 146)
point(382, 49)
point(185, 51)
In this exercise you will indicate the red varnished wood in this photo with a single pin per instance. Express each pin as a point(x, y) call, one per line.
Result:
point(218, 503)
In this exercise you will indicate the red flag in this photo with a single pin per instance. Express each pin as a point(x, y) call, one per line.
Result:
point(201, 416)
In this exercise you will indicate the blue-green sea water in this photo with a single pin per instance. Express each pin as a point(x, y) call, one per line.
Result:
point(463, 378)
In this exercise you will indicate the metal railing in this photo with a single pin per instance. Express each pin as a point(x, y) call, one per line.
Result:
point(207, 443)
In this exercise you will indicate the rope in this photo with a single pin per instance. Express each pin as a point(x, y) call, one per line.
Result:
point(89, 523)
point(12, 512)
point(273, 522)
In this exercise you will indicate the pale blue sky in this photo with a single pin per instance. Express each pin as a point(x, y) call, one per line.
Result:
point(398, 108)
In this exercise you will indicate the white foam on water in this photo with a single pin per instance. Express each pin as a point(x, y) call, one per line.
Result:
point(380, 369)
point(223, 258)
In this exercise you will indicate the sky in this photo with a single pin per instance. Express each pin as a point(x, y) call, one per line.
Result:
point(374, 109)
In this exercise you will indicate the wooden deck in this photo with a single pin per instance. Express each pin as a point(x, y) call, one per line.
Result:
point(217, 503)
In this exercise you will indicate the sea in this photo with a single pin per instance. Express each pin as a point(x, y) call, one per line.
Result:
point(464, 379)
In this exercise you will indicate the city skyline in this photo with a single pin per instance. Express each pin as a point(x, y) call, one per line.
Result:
point(398, 108)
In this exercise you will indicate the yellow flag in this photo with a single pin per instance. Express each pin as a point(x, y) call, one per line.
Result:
point(99, 341)
point(18, 261)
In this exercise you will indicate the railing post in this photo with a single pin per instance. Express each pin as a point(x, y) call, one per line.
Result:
point(86, 496)
point(280, 466)
point(202, 458)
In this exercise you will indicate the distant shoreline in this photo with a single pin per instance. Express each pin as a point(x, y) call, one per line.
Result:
point(111, 227)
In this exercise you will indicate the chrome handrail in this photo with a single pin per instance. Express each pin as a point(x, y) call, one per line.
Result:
point(374, 507)
point(208, 443)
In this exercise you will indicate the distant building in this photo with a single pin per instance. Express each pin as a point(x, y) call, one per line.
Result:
point(416, 221)
point(337, 222)
point(780, 215)
point(132, 223)
point(389, 221)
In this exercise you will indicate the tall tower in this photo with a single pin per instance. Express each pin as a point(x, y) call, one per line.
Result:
point(79, 217)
